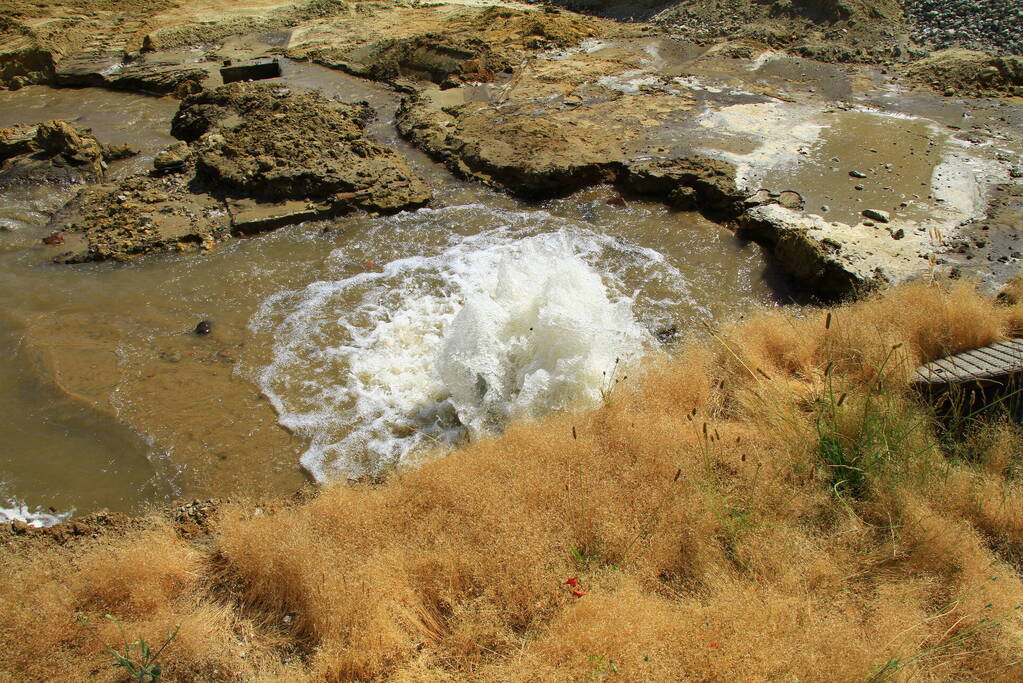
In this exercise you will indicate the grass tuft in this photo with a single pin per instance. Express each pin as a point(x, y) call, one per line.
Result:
point(772, 502)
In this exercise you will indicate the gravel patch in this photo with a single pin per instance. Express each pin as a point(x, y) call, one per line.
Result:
point(990, 25)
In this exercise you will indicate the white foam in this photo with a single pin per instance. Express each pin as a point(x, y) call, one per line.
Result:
point(777, 129)
point(511, 323)
point(17, 511)
point(630, 82)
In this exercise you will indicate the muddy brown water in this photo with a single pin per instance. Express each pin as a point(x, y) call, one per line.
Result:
point(110, 401)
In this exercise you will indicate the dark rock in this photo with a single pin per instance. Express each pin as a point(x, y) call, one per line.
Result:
point(117, 152)
point(667, 335)
point(172, 158)
point(204, 327)
point(877, 215)
point(107, 70)
point(16, 140)
point(54, 151)
point(61, 138)
point(256, 69)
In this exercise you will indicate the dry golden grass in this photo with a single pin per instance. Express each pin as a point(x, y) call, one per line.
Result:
point(694, 508)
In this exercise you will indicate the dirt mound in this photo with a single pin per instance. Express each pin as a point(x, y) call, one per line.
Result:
point(964, 72)
point(827, 30)
point(266, 142)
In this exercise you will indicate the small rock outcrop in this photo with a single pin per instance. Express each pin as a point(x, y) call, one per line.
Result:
point(172, 158)
point(54, 151)
point(543, 157)
point(252, 157)
point(108, 70)
point(265, 142)
point(60, 140)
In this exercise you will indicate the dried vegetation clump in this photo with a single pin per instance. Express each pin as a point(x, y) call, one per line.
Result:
point(770, 502)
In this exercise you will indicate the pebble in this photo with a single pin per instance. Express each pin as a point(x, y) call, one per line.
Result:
point(858, 187)
point(877, 215)
point(857, 174)
point(204, 327)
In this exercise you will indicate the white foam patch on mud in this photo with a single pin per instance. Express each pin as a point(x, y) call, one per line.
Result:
point(17, 511)
point(631, 82)
point(770, 135)
point(587, 46)
point(960, 183)
point(762, 60)
point(453, 342)
point(696, 83)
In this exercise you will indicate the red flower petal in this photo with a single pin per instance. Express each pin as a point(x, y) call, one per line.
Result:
point(714, 644)
point(578, 592)
point(573, 582)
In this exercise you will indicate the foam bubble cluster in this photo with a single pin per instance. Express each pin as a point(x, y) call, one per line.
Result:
point(17, 511)
point(433, 349)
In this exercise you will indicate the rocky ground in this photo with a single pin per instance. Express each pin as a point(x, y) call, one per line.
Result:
point(988, 25)
point(830, 30)
point(252, 157)
point(54, 151)
point(736, 109)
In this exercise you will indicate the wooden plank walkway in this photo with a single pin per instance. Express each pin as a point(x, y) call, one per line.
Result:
point(994, 364)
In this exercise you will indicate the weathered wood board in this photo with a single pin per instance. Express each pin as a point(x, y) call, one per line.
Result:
point(994, 364)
